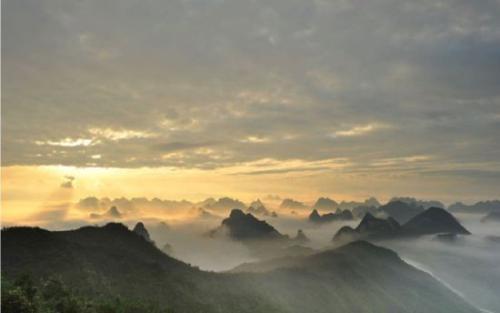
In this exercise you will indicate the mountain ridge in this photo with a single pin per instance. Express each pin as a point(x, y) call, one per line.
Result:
point(431, 221)
point(113, 260)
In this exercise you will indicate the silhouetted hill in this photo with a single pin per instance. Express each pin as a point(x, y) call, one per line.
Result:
point(141, 230)
point(105, 262)
point(431, 221)
point(241, 226)
point(369, 227)
point(344, 215)
point(325, 204)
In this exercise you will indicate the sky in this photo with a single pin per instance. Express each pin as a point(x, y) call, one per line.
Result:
point(186, 99)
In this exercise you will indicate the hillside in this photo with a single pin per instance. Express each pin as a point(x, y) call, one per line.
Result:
point(110, 261)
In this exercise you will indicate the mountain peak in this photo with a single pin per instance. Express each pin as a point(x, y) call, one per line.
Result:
point(141, 230)
point(434, 220)
point(339, 215)
point(236, 213)
point(325, 204)
point(241, 226)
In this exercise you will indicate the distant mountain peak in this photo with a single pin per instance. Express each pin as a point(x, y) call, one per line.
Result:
point(325, 204)
point(434, 220)
point(241, 226)
point(258, 208)
point(141, 230)
point(339, 215)
point(113, 211)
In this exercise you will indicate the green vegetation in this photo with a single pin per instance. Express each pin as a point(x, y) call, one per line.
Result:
point(51, 295)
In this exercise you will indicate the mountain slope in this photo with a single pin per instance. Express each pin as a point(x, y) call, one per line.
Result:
point(114, 261)
point(358, 277)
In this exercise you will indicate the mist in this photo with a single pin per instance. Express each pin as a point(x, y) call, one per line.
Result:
point(470, 264)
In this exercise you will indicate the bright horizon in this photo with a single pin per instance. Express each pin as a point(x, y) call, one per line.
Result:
point(30, 192)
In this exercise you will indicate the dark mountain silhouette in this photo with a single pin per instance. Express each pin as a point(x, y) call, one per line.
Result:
point(141, 230)
point(431, 221)
point(434, 221)
point(481, 207)
point(241, 226)
point(491, 217)
point(371, 227)
point(325, 204)
point(401, 211)
point(110, 261)
point(344, 215)
point(370, 224)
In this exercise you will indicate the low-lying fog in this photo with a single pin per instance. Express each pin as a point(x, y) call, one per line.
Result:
point(470, 265)
point(190, 243)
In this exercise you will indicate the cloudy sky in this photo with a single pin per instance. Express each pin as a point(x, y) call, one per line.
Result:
point(189, 98)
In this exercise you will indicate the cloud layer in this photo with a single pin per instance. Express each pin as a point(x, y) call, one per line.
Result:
point(387, 86)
